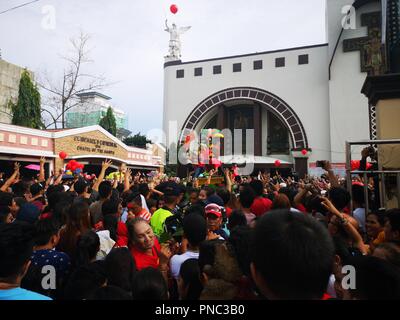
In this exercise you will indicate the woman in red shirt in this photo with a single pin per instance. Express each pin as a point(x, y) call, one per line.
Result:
point(144, 246)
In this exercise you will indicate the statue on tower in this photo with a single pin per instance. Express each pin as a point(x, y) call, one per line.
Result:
point(174, 42)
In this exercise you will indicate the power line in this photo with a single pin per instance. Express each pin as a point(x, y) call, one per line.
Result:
point(17, 7)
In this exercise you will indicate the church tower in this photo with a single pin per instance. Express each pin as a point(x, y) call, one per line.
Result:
point(354, 34)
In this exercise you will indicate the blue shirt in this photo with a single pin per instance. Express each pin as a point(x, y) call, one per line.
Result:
point(59, 260)
point(21, 294)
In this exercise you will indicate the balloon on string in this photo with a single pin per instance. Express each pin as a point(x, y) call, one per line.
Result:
point(304, 152)
point(173, 8)
point(62, 155)
point(277, 163)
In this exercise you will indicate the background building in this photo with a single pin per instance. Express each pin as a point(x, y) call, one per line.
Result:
point(10, 76)
point(92, 107)
point(295, 99)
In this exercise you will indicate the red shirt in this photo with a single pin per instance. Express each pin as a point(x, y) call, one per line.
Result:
point(228, 211)
point(122, 235)
point(144, 260)
point(260, 206)
point(301, 208)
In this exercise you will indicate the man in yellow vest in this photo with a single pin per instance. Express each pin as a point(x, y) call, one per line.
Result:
point(157, 221)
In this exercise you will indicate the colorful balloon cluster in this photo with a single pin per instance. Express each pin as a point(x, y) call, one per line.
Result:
point(74, 167)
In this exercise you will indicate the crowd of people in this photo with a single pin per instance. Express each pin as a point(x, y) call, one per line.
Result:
point(159, 238)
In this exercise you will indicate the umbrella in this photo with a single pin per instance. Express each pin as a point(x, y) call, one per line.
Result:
point(33, 167)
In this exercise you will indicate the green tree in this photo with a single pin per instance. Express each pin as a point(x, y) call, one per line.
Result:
point(138, 140)
point(108, 122)
point(26, 112)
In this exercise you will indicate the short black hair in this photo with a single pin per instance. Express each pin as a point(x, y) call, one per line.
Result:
point(109, 207)
point(105, 189)
point(246, 197)
point(85, 280)
point(257, 187)
point(44, 230)
point(195, 228)
point(380, 215)
point(293, 253)
point(87, 247)
point(20, 188)
point(4, 212)
point(80, 186)
point(236, 219)
point(6, 198)
point(224, 194)
point(149, 284)
point(393, 215)
point(358, 193)
point(36, 188)
point(339, 197)
point(376, 279)
point(16, 247)
point(209, 190)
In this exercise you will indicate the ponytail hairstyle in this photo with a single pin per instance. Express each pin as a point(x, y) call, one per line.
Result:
point(87, 247)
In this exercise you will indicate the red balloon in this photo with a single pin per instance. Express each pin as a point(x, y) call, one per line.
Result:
point(62, 155)
point(173, 8)
point(355, 165)
point(277, 163)
point(304, 152)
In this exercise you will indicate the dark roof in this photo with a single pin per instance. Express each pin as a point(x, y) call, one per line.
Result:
point(93, 94)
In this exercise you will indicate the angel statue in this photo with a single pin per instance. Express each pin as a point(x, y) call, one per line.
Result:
point(174, 42)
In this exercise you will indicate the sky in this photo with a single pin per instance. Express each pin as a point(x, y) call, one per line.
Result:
point(128, 42)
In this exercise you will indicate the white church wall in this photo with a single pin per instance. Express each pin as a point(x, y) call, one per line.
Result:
point(349, 117)
point(303, 87)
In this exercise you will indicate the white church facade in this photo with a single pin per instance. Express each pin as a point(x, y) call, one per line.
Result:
point(295, 99)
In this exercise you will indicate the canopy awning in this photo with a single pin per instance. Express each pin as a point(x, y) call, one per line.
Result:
point(242, 159)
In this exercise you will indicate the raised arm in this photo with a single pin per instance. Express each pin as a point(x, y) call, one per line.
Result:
point(332, 177)
point(12, 179)
point(104, 166)
point(127, 177)
point(347, 226)
point(228, 180)
point(41, 173)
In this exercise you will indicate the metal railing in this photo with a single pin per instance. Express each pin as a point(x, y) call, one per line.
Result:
point(380, 173)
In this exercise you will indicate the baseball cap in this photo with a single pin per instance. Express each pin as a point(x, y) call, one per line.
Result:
point(213, 209)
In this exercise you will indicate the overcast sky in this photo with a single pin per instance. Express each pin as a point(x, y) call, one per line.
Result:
point(128, 40)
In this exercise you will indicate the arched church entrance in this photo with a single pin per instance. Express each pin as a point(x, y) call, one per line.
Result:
point(278, 131)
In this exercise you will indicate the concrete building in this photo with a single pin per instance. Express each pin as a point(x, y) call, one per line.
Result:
point(92, 107)
point(295, 99)
point(10, 75)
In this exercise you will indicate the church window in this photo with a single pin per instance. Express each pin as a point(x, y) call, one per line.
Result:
point(279, 62)
point(237, 67)
point(198, 72)
point(303, 59)
point(258, 65)
point(217, 69)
